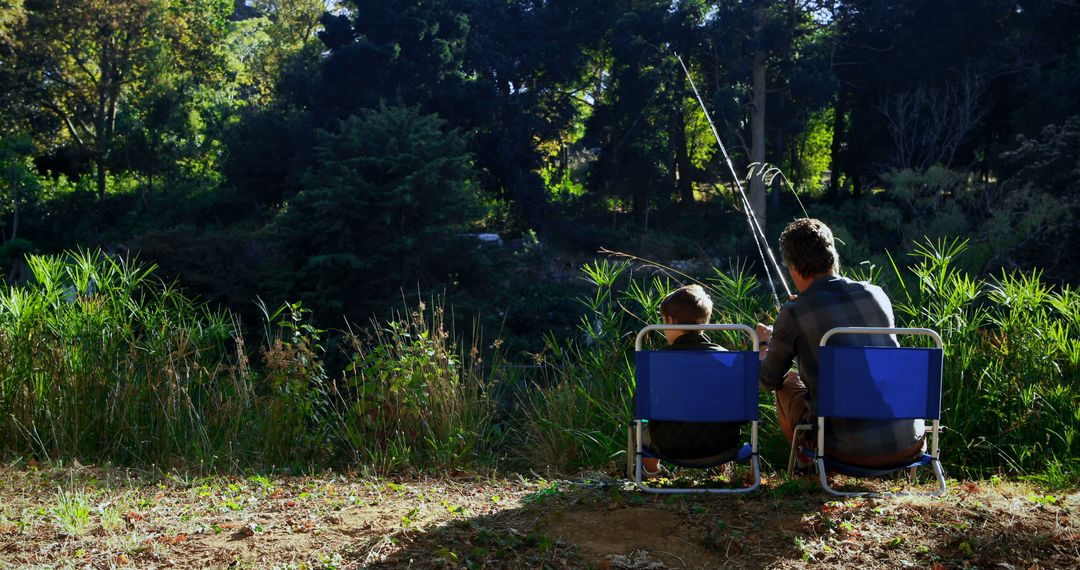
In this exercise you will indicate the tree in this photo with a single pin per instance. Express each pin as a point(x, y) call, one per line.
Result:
point(1036, 206)
point(84, 63)
point(905, 66)
point(12, 15)
point(381, 208)
point(16, 178)
point(928, 123)
point(266, 38)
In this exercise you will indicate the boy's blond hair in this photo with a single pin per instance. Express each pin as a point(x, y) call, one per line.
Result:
point(688, 305)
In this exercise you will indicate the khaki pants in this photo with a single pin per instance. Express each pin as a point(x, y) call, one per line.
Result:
point(793, 408)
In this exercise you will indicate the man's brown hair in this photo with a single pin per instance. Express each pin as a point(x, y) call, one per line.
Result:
point(688, 305)
point(807, 245)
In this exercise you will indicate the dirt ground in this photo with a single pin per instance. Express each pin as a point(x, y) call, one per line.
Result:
point(89, 517)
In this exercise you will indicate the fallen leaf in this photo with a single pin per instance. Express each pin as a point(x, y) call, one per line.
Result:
point(243, 532)
point(182, 537)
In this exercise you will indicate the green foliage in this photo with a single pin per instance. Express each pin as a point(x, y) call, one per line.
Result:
point(380, 209)
point(413, 397)
point(71, 512)
point(101, 361)
point(268, 37)
point(19, 183)
point(295, 406)
point(109, 79)
point(931, 203)
point(12, 14)
point(1010, 396)
point(1038, 203)
point(811, 156)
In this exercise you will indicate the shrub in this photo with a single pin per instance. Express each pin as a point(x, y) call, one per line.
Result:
point(1012, 345)
point(381, 208)
point(412, 397)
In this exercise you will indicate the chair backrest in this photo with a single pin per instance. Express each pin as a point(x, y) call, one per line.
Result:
point(874, 382)
point(696, 386)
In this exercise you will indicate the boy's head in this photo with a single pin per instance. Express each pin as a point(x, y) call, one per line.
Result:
point(807, 246)
point(688, 305)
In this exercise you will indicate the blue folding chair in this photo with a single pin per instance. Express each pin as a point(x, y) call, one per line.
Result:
point(876, 383)
point(695, 386)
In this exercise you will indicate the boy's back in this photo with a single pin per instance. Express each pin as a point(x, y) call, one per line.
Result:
point(694, 442)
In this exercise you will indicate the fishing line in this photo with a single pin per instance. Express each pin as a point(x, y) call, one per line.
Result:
point(760, 240)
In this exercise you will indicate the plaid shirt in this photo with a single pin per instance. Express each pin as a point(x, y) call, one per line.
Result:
point(833, 301)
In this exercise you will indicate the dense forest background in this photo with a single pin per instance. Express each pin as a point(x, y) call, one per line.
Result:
point(349, 155)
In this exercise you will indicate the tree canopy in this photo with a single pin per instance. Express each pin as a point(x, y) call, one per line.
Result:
point(272, 129)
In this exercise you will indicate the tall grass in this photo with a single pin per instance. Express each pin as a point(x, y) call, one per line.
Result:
point(100, 361)
point(1011, 392)
point(412, 396)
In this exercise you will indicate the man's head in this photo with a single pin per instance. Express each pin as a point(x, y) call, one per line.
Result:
point(808, 250)
point(688, 305)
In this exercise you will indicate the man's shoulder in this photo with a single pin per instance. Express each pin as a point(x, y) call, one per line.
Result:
point(839, 301)
point(838, 288)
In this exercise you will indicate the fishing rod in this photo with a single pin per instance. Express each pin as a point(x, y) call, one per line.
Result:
point(760, 240)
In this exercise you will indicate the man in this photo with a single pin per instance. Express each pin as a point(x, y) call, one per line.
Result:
point(825, 301)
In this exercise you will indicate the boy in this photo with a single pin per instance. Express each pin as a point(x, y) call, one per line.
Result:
point(704, 443)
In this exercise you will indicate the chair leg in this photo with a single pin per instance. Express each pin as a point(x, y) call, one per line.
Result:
point(791, 462)
point(940, 476)
point(794, 449)
point(630, 452)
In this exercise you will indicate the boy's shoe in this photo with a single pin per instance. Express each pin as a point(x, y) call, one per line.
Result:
point(650, 475)
point(803, 461)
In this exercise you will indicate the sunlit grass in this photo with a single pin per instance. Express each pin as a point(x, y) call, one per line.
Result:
point(71, 511)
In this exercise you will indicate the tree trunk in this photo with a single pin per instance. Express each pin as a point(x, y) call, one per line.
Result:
point(101, 119)
point(15, 207)
point(684, 169)
point(835, 150)
point(780, 137)
point(99, 162)
point(757, 131)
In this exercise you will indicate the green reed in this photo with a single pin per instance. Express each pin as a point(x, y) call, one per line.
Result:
point(1011, 395)
point(1012, 343)
point(413, 396)
point(101, 361)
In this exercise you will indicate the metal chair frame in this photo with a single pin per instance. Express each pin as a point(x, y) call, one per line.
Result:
point(634, 431)
point(819, 459)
